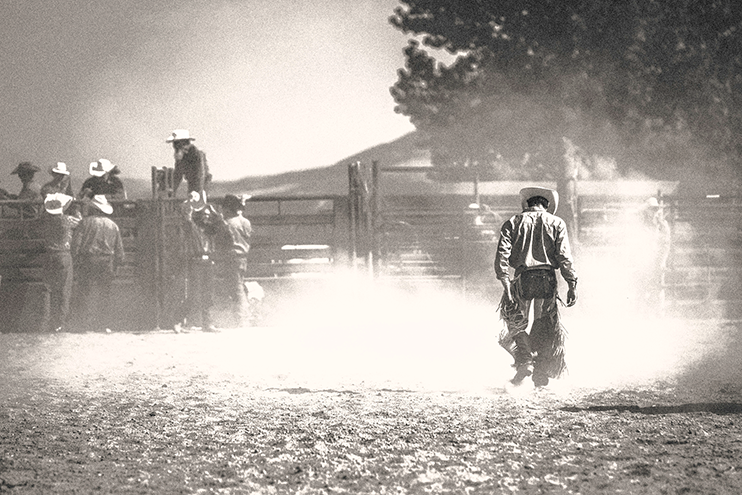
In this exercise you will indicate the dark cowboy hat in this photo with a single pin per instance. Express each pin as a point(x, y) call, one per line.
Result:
point(530, 192)
point(25, 167)
point(234, 202)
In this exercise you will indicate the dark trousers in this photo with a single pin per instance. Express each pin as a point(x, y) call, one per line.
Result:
point(57, 279)
point(543, 347)
point(199, 294)
point(95, 272)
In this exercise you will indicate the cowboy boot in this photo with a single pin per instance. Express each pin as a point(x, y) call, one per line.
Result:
point(523, 358)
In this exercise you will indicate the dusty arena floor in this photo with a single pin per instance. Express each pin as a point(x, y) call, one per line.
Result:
point(371, 407)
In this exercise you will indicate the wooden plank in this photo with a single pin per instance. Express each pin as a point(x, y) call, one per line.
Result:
point(321, 219)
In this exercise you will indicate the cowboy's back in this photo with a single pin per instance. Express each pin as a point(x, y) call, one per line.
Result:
point(98, 236)
point(534, 238)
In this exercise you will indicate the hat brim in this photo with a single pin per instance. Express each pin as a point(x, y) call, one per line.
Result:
point(54, 211)
point(172, 139)
point(551, 196)
point(18, 170)
point(106, 208)
point(63, 172)
point(55, 204)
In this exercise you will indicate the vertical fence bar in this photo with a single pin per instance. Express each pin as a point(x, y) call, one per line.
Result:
point(375, 204)
point(353, 200)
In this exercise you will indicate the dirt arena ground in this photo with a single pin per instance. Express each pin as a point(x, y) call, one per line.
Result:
point(372, 405)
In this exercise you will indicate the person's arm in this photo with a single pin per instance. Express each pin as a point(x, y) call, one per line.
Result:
point(68, 190)
point(502, 258)
point(177, 177)
point(201, 169)
point(564, 258)
point(118, 253)
point(77, 235)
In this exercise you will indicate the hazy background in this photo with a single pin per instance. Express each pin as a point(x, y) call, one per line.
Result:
point(265, 86)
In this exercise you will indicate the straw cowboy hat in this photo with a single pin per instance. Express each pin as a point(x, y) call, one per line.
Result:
point(25, 167)
point(100, 202)
point(180, 135)
point(100, 168)
point(61, 168)
point(56, 203)
point(529, 192)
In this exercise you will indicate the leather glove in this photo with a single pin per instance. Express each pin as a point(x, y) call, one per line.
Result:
point(572, 294)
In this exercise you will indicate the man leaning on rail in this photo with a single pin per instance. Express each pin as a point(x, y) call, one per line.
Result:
point(534, 243)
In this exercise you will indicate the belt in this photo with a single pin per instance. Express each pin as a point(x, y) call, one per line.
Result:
point(539, 267)
point(531, 269)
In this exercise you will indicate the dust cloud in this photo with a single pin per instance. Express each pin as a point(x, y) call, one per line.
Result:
point(349, 332)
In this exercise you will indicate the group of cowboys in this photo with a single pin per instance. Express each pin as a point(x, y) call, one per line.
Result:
point(78, 237)
point(103, 180)
point(209, 232)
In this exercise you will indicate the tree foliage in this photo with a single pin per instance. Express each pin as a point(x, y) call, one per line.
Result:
point(529, 73)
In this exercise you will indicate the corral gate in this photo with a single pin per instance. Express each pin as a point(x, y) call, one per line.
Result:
point(424, 235)
point(296, 240)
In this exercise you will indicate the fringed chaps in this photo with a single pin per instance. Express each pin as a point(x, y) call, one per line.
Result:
point(544, 344)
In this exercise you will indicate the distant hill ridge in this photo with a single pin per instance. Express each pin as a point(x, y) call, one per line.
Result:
point(409, 151)
point(329, 180)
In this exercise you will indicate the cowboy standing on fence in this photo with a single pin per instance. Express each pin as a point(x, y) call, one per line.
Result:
point(534, 243)
point(190, 163)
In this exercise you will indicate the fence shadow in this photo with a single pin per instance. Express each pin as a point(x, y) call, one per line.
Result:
point(709, 407)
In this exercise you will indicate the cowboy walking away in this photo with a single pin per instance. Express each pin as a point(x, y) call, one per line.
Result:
point(533, 245)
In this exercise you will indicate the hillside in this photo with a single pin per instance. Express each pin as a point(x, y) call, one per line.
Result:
point(329, 180)
point(407, 151)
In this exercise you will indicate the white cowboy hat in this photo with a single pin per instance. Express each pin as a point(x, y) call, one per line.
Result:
point(652, 202)
point(61, 168)
point(100, 168)
point(56, 203)
point(100, 202)
point(529, 192)
point(180, 135)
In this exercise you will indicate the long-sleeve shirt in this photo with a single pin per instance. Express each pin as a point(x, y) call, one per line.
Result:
point(31, 191)
point(534, 238)
point(191, 164)
point(57, 231)
point(240, 231)
point(98, 236)
point(63, 185)
point(110, 186)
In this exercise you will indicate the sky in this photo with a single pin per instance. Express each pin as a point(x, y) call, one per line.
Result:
point(265, 86)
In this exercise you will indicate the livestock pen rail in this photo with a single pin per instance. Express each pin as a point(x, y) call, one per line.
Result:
point(703, 274)
point(407, 238)
point(24, 300)
point(295, 239)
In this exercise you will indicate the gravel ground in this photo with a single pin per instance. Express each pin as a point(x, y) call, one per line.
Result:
point(395, 406)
